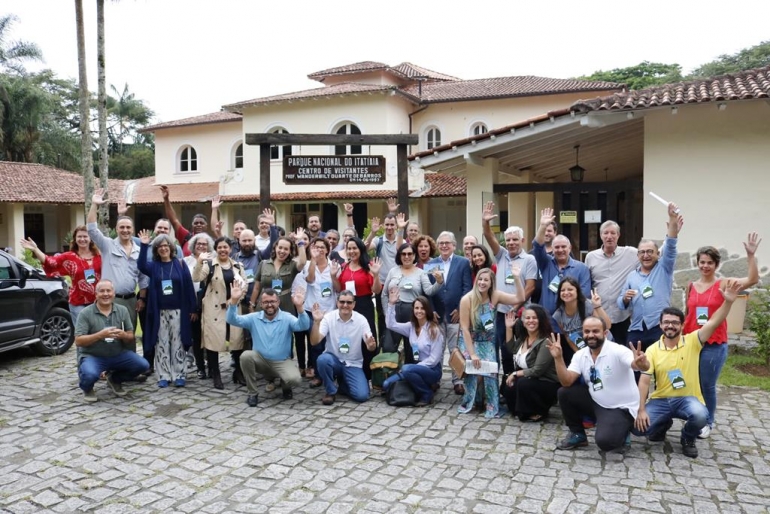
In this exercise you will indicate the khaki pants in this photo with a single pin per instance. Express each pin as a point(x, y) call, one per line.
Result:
point(253, 363)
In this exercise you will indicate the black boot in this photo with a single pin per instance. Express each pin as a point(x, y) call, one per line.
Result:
point(213, 359)
point(237, 373)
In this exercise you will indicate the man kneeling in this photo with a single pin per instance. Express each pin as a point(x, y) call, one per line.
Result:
point(271, 330)
point(344, 330)
point(101, 331)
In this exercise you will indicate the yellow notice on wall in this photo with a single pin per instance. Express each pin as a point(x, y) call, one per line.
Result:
point(568, 217)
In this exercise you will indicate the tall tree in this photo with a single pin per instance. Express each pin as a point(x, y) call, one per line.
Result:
point(643, 75)
point(126, 114)
point(104, 213)
point(13, 54)
point(85, 111)
point(755, 56)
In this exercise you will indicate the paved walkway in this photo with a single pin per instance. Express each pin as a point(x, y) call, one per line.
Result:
point(201, 450)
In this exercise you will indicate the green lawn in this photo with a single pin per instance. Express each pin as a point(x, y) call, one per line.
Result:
point(731, 376)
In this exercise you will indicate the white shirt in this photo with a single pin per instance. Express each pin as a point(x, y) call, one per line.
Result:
point(316, 290)
point(350, 333)
point(262, 242)
point(613, 367)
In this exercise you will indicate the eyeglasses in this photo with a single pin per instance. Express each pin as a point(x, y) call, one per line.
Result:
point(407, 254)
point(345, 302)
point(269, 302)
point(162, 246)
point(443, 243)
point(671, 323)
point(647, 252)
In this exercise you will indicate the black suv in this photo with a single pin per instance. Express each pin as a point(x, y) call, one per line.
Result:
point(34, 310)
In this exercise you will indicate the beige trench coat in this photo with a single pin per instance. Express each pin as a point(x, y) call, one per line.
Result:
point(214, 309)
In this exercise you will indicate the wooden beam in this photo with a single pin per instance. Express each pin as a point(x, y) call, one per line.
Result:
point(565, 186)
point(264, 177)
point(331, 139)
point(403, 179)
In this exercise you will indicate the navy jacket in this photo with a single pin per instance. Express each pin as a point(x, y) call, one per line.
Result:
point(456, 285)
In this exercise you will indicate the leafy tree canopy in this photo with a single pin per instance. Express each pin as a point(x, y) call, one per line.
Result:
point(755, 56)
point(643, 75)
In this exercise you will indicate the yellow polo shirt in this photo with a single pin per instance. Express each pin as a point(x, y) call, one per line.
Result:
point(676, 370)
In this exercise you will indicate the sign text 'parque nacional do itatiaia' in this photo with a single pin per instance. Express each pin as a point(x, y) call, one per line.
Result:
point(334, 169)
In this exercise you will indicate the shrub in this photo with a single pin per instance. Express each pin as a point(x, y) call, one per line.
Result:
point(759, 323)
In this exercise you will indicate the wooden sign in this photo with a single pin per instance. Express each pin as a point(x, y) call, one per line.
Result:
point(333, 169)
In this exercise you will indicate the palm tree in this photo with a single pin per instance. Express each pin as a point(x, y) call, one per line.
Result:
point(126, 115)
point(85, 115)
point(104, 213)
point(13, 54)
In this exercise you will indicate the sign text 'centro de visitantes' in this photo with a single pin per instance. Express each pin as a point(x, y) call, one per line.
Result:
point(334, 169)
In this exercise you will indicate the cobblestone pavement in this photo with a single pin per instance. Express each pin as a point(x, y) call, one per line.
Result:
point(201, 450)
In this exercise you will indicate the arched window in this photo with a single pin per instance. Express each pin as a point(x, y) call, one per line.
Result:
point(433, 138)
point(478, 128)
point(188, 159)
point(238, 157)
point(278, 152)
point(348, 128)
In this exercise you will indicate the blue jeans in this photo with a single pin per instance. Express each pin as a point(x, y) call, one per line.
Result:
point(352, 381)
point(124, 367)
point(75, 310)
point(688, 408)
point(712, 358)
point(421, 378)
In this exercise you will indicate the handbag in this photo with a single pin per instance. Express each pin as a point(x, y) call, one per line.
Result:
point(404, 311)
point(457, 363)
point(401, 394)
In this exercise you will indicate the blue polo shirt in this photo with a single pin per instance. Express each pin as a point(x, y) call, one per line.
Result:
point(270, 338)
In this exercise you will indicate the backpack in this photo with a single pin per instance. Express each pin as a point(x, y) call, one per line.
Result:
point(384, 365)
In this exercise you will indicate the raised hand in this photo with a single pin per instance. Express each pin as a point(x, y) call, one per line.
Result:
point(752, 243)
point(393, 295)
point(596, 300)
point(371, 343)
point(510, 318)
point(204, 256)
point(554, 346)
point(673, 210)
point(515, 270)
point(164, 192)
point(375, 224)
point(299, 233)
point(348, 208)
point(298, 298)
point(318, 314)
point(98, 197)
point(640, 358)
point(546, 217)
point(236, 292)
point(375, 265)
point(731, 291)
point(401, 221)
point(392, 205)
point(488, 213)
point(28, 244)
point(334, 268)
point(216, 202)
point(122, 207)
point(314, 252)
point(269, 216)
point(144, 236)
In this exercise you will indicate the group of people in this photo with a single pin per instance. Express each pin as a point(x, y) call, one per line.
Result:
point(541, 317)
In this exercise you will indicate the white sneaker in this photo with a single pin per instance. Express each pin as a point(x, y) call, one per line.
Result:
point(704, 432)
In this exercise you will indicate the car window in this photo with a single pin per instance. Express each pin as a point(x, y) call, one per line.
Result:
point(5, 268)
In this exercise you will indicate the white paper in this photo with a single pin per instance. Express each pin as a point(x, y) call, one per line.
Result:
point(487, 368)
point(351, 286)
point(661, 200)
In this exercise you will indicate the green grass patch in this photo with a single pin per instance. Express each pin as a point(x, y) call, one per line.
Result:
point(733, 376)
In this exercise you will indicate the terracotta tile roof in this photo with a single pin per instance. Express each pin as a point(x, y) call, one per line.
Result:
point(205, 119)
point(37, 183)
point(492, 133)
point(746, 85)
point(348, 68)
point(440, 185)
point(503, 87)
point(412, 71)
point(343, 88)
point(145, 191)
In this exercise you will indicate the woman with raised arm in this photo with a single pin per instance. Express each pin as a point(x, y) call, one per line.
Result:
point(477, 336)
point(703, 300)
point(82, 263)
point(572, 308)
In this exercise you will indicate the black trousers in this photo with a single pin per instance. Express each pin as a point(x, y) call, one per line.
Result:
point(620, 331)
point(366, 309)
point(612, 425)
point(530, 396)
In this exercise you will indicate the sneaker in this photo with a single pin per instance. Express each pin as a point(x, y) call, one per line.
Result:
point(327, 399)
point(688, 448)
point(90, 396)
point(162, 383)
point(116, 387)
point(180, 382)
point(252, 400)
point(589, 422)
point(705, 432)
point(202, 375)
point(287, 393)
point(572, 441)
point(660, 435)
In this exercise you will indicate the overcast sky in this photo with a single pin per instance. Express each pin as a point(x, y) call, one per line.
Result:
point(190, 57)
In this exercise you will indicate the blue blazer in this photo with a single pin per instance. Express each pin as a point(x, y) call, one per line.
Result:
point(456, 285)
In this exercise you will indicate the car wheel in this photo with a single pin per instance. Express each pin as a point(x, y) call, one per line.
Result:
point(57, 333)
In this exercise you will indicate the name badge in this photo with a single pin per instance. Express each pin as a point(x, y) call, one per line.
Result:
point(509, 279)
point(702, 315)
point(344, 345)
point(486, 321)
point(676, 378)
point(326, 289)
point(90, 276)
point(577, 338)
point(167, 286)
point(351, 286)
point(554, 285)
point(597, 384)
point(416, 353)
point(250, 276)
point(647, 291)
point(408, 284)
point(277, 284)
